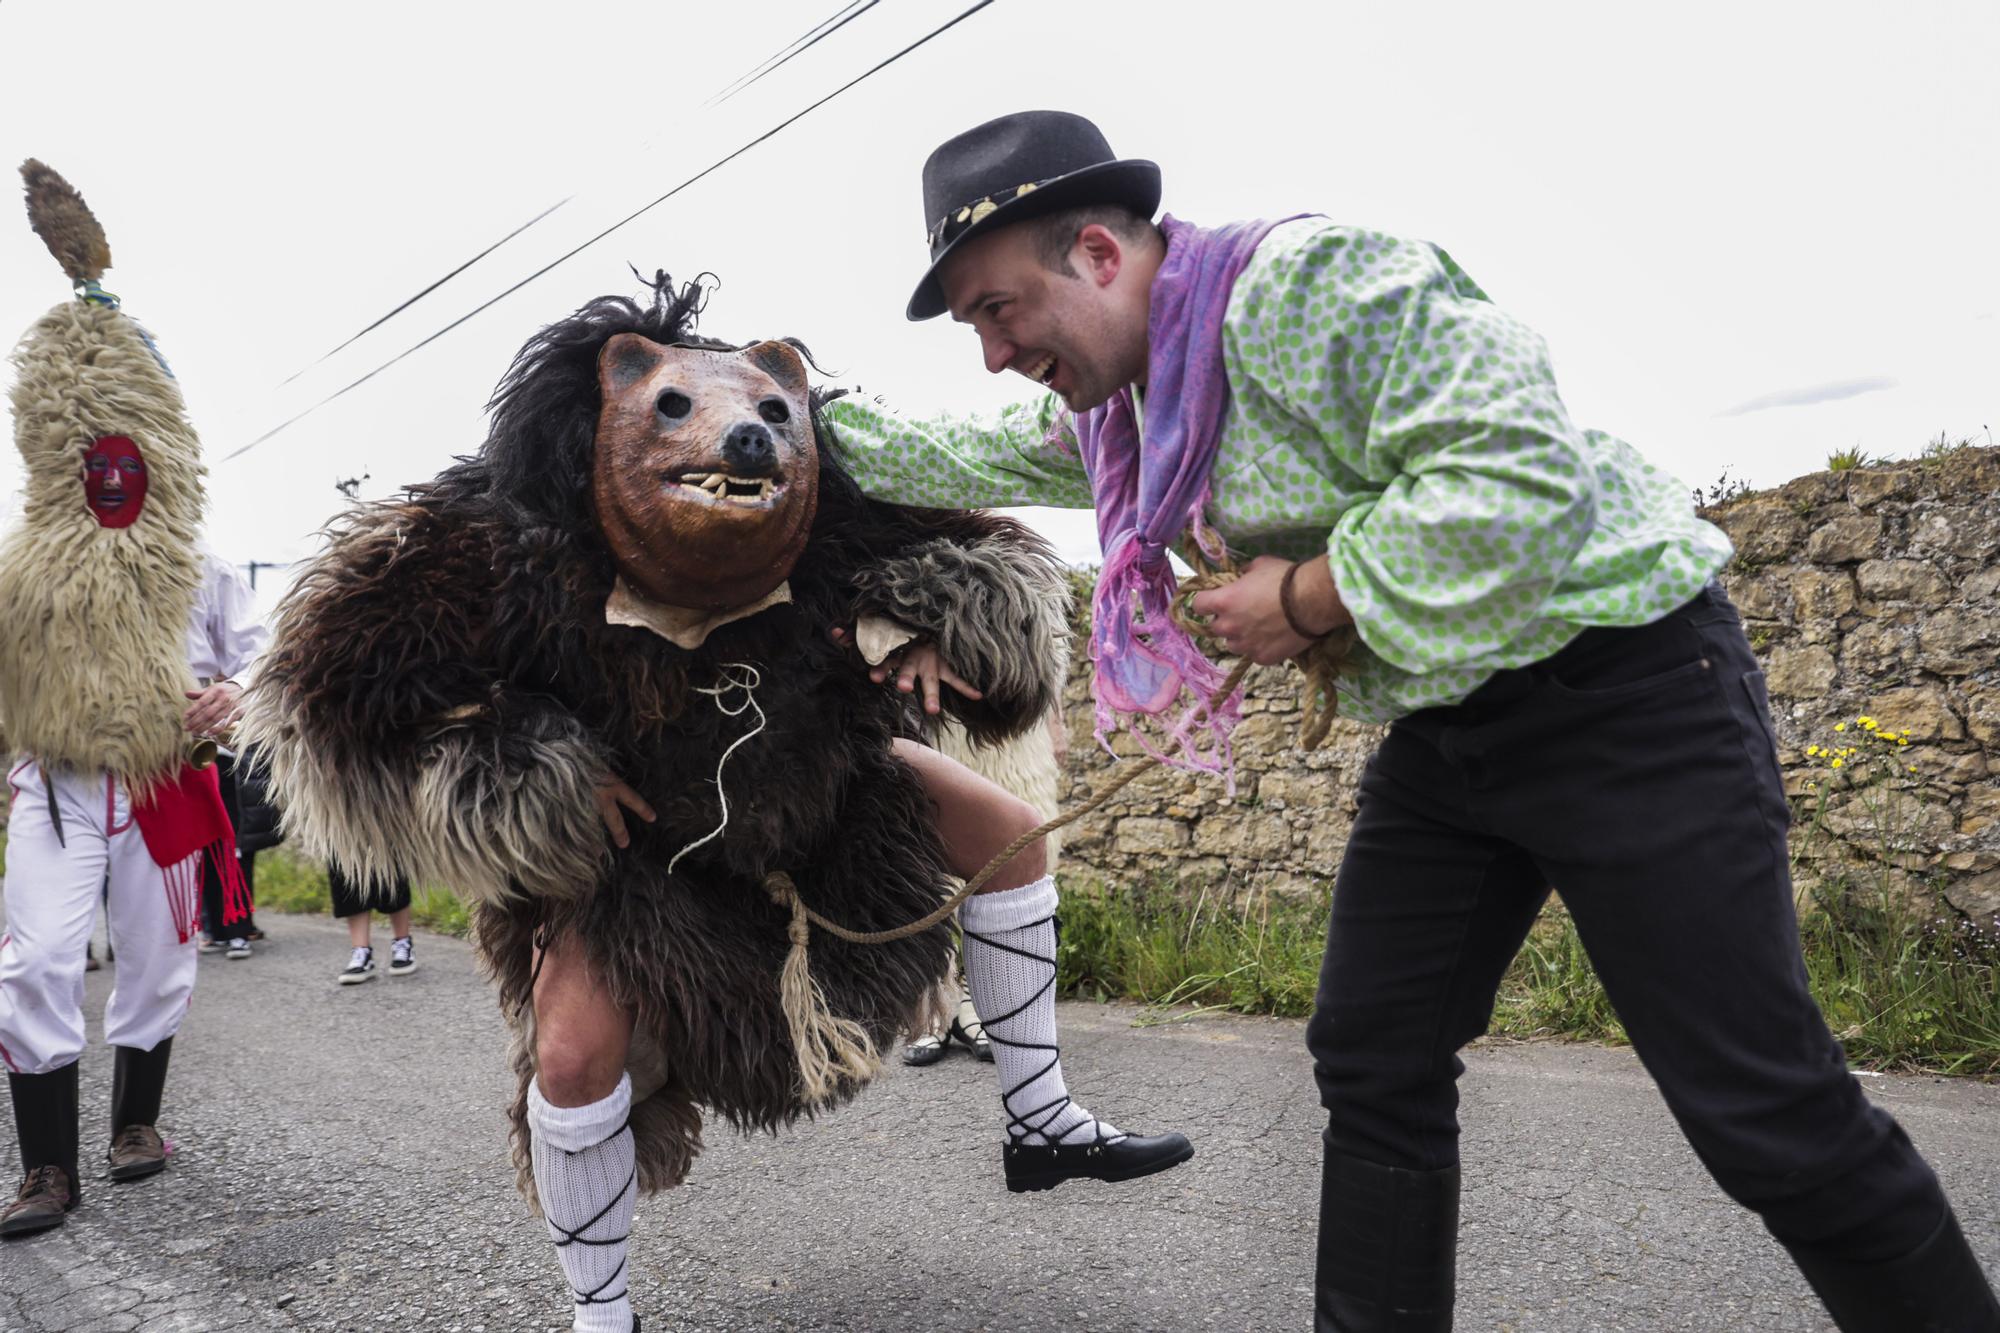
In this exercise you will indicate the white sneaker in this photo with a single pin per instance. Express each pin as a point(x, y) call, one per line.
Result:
point(402, 957)
point(360, 967)
point(238, 949)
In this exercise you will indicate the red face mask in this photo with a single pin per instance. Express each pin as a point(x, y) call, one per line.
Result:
point(114, 481)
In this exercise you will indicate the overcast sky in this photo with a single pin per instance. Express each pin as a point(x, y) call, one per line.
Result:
point(1751, 233)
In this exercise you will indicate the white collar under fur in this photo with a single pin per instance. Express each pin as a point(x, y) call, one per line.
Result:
point(684, 627)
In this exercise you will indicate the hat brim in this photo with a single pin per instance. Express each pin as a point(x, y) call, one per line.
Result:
point(1132, 183)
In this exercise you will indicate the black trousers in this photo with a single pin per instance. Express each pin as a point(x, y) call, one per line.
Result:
point(1635, 772)
point(211, 882)
point(354, 899)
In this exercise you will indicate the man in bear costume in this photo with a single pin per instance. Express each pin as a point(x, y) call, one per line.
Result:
point(622, 604)
point(111, 619)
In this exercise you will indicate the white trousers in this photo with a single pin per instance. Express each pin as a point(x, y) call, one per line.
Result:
point(52, 890)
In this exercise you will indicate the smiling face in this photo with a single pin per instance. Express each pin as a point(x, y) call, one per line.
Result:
point(1082, 334)
point(114, 481)
point(706, 477)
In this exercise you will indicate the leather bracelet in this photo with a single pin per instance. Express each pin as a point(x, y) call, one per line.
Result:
point(1286, 604)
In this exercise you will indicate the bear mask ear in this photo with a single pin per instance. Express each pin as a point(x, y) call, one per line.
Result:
point(625, 360)
point(782, 362)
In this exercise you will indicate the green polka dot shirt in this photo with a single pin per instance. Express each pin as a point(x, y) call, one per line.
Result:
point(1385, 411)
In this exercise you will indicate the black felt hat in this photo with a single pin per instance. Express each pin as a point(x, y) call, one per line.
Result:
point(1015, 168)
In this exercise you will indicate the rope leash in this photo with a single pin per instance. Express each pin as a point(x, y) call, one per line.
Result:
point(832, 1051)
point(789, 892)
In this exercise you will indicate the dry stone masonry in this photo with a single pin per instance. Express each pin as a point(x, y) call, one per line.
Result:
point(1873, 592)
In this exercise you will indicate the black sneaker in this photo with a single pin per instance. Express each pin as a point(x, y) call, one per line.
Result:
point(402, 958)
point(360, 967)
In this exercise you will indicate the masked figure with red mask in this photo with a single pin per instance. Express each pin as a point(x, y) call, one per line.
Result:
point(119, 637)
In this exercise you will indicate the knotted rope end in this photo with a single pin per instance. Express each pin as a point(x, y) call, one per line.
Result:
point(833, 1053)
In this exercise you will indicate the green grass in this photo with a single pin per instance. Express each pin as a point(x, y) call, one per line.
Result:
point(287, 882)
point(1165, 949)
point(1904, 988)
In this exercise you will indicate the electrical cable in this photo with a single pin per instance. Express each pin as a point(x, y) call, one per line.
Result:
point(953, 22)
point(433, 287)
point(840, 19)
point(810, 40)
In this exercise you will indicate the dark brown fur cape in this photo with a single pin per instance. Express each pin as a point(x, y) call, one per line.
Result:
point(443, 692)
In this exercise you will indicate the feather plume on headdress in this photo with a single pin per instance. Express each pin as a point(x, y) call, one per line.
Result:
point(65, 223)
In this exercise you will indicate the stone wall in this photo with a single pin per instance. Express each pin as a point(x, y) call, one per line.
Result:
point(1866, 593)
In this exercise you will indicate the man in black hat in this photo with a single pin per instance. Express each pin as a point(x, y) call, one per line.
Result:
point(1529, 605)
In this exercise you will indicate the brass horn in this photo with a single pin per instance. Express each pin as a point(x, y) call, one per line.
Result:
point(201, 751)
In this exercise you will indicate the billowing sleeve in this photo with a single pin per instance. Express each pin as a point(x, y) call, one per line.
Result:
point(1475, 492)
point(237, 633)
point(1022, 454)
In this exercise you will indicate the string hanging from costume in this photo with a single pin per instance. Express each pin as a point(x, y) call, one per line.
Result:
point(736, 676)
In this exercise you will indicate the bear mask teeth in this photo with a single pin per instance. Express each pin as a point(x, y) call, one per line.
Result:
point(737, 490)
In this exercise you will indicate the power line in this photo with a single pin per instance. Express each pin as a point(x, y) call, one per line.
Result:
point(433, 287)
point(571, 254)
point(817, 34)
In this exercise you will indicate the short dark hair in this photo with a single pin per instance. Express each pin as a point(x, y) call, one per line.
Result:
point(1054, 234)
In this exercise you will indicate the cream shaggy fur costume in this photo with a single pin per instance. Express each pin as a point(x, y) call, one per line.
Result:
point(74, 592)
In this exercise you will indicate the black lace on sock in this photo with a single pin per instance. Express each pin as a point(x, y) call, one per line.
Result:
point(1035, 1120)
point(575, 1236)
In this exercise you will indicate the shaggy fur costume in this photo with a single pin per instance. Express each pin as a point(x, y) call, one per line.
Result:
point(93, 620)
point(1025, 765)
point(444, 693)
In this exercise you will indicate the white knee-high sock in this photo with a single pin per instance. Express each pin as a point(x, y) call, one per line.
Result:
point(584, 1173)
point(1010, 968)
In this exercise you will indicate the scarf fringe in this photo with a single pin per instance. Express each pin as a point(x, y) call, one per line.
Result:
point(235, 890)
point(183, 880)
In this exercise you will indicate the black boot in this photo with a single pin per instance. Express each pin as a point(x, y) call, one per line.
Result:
point(1388, 1248)
point(1935, 1288)
point(137, 1080)
point(45, 1118)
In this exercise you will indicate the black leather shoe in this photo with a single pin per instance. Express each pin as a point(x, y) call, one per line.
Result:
point(1043, 1166)
point(924, 1051)
point(972, 1037)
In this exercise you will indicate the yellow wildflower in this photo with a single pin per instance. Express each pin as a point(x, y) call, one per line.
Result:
point(1836, 763)
point(1867, 722)
point(1811, 750)
point(1900, 740)
point(1840, 726)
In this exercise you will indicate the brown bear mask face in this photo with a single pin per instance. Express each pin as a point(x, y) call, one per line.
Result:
point(706, 477)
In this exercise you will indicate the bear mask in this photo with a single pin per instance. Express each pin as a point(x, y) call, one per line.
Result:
point(706, 476)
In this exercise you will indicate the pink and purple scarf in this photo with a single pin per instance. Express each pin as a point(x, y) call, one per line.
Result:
point(1148, 492)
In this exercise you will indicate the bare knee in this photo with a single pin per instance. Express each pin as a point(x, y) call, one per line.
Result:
point(1013, 819)
point(581, 1033)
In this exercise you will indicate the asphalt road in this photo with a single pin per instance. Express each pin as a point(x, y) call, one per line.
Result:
point(341, 1164)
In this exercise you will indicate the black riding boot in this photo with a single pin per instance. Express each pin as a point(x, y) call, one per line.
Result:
point(137, 1080)
point(1935, 1288)
point(45, 1116)
point(1388, 1248)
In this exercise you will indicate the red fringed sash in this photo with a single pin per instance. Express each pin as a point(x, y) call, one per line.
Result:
point(180, 821)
